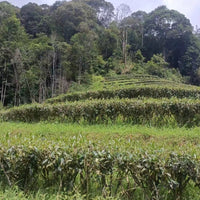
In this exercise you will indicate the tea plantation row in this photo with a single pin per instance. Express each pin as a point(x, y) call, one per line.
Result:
point(133, 92)
point(134, 111)
point(92, 172)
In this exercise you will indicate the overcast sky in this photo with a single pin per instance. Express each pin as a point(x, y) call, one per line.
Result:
point(190, 8)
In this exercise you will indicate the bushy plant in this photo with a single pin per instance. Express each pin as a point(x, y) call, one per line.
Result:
point(93, 172)
point(134, 92)
point(134, 111)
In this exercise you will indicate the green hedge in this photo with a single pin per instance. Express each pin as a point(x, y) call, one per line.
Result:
point(130, 76)
point(94, 172)
point(151, 111)
point(148, 91)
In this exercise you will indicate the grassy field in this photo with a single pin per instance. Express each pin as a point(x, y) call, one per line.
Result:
point(16, 194)
point(118, 136)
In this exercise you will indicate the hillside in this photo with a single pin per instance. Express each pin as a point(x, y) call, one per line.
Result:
point(129, 138)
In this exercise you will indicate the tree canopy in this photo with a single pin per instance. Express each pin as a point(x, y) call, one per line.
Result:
point(43, 49)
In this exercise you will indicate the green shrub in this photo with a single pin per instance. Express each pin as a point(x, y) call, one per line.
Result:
point(145, 91)
point(92, 172)
point(135, 111)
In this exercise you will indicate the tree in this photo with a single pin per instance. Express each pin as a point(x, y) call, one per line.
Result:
point(167, 32)
point(197, 32)
point(190, 62)
point(12, 46)
point(122, 12)
point(39, 67)
point(70, 15)
point(83, 54)
point(35, 18)
point(60, 66)
point(104, 10)
point(107, 43)
point(7, 10)
point(134, 25)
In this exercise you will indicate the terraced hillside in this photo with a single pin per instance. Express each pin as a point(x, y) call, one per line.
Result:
point(133, 86)
point(138, 140)
point(152, 104)
point(136, 80)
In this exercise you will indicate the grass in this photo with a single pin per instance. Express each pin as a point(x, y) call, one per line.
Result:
point(16, 194)
point(116, 137)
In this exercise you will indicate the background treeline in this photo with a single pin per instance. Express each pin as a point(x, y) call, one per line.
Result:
point(44, 49)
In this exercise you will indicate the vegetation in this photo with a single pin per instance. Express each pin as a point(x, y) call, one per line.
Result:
point(47, 49)
point(131, 92)
point(134, 111)
point(134, 158)
point(95, 103)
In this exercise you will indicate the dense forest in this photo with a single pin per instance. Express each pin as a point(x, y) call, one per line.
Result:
point(44, 49)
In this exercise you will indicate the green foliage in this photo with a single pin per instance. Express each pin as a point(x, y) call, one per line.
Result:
point(99, 66)
point(138, 57)
point(134, 92)
point(167, 32)
point(46, 48)
point(107, 43)
point(135, 150)
point(69, 15)
point(7, 10)
point(157, 66)
point(191, 60)
point(152, 111)
point(127, 174)
point(84, 54)
point(75, 44)
point(97, 82)
point(1, 106)
point(104, 10)
point(35, 19)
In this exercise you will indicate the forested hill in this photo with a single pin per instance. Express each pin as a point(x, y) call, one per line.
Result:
point(44, 49)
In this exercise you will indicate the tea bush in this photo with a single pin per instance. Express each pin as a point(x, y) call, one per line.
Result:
point(134, 92)
point(92, 172)
point(156, 112)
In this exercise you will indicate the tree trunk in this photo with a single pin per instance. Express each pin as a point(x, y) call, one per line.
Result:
point(79, 71)
point(40, 92)
point(124, 45)
point(17, 86)
point(53, 74)
point(3, 91)
point(142, 32)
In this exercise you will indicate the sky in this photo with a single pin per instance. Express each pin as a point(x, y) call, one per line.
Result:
point(190, 8)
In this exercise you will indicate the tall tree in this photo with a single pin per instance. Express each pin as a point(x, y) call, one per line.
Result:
point(104, 10)
point(134, 25)
point(35, 18)
point(107, 43)
point(122, 12)
point(69, 16)
point(190, 62)
point(84, 53)
point(12, 39)
point(39, 68)
point(167, 32)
